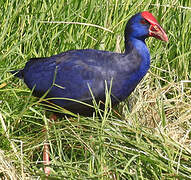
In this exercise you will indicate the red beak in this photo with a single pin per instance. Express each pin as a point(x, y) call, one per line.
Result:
point(155, 30)
point(158, 32)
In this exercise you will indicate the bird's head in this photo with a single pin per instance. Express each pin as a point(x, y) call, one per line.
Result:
point(143, 25)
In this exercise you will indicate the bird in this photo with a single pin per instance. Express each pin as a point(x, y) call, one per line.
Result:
point(75, 78)
point(83, 74)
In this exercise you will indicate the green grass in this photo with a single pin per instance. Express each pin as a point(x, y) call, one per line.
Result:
point(151, 141)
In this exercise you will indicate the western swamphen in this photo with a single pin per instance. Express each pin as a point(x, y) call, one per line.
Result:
point(72, 74)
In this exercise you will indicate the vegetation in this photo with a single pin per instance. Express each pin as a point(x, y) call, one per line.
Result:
point(148, 140)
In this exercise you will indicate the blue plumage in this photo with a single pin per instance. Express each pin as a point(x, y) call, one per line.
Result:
point(72, 73)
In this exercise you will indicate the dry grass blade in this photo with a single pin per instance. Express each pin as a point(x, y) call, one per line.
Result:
point(7, 169)
point(77, 23)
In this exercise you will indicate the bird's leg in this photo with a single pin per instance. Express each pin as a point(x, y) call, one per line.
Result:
point(46, 159)
point(46, 151)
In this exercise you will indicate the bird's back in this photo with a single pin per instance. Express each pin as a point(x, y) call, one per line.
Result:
point(73, 74)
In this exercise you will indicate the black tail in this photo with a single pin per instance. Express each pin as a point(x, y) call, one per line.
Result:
point(18, 73)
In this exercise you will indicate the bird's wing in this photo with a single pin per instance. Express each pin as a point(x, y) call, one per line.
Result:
point(81, 74)
point(68, 75)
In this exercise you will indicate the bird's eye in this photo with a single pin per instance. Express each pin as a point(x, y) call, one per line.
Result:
point(144, 21)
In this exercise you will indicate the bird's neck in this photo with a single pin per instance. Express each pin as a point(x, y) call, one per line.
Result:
point(137, 58)
point(139, 45)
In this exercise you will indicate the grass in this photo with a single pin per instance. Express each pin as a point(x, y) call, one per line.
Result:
point(149, 141)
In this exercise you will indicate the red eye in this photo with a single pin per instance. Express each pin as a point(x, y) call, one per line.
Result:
point(143, 21)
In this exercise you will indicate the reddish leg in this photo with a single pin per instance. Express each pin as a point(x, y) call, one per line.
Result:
point(46, 152)
point(46, 159)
